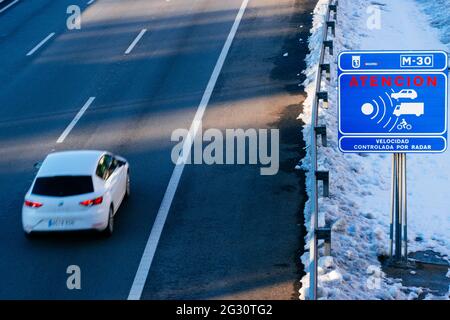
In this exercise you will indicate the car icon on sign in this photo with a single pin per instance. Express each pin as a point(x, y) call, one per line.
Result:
point(405, 93)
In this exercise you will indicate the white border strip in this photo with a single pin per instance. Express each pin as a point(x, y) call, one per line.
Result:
point(75, 120)
point(152, 243)
point(135, 41)
point(8, 6)
point(40, 44)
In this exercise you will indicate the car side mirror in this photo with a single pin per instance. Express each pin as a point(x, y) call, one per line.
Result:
point(37, 165)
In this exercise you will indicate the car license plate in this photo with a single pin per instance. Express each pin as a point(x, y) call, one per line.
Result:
point(60, 223)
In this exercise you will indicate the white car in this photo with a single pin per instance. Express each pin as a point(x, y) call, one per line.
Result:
point(76, 190)
point(405, 94)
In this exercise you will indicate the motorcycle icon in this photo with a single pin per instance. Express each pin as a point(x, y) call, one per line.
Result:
point(404, 125)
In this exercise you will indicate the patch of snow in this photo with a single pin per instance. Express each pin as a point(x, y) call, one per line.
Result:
point(412, 296)
point(438, 14)
point(358, 208)
point(326, 262)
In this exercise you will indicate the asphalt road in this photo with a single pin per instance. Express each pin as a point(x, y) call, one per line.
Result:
point(230, 232)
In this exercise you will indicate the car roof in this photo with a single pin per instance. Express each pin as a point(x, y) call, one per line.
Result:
point(70, 163)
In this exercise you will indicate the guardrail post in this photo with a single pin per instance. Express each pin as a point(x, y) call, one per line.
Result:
point(333, 7)
point(322, 131)
point(329, 44)
point(332, 25)
point(326, 67)
point(324, 176)
point(325, 235)
point(323, 95)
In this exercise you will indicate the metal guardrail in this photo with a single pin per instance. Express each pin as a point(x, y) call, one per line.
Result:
point(319, 233)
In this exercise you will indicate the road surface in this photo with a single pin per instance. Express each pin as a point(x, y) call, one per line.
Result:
point(144, 67)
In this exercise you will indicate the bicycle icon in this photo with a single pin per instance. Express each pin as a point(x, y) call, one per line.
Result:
point(404, 125)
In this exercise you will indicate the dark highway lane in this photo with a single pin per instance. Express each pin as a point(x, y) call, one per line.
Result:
point(140, 98)
point(232, 233)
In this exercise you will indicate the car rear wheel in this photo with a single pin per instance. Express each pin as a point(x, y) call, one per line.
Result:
point(110, 227)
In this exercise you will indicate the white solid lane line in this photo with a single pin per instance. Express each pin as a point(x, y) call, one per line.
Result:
point(40, 44)
point(8, 6)
point(75, 120)
point(135, 41)
point(155, 234)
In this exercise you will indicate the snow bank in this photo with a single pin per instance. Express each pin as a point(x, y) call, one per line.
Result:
point(438, 12)
point(359, 205)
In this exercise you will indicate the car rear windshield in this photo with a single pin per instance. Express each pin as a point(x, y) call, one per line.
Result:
point(63, 186)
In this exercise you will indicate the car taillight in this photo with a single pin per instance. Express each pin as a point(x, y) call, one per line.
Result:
point(33, 204)
point(92, 202)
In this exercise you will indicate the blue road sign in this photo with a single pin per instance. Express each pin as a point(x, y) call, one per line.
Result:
point(392, 101)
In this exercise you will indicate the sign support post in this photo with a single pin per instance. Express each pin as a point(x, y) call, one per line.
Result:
point(399, 222)
point(405, 210)
point(393, 186)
